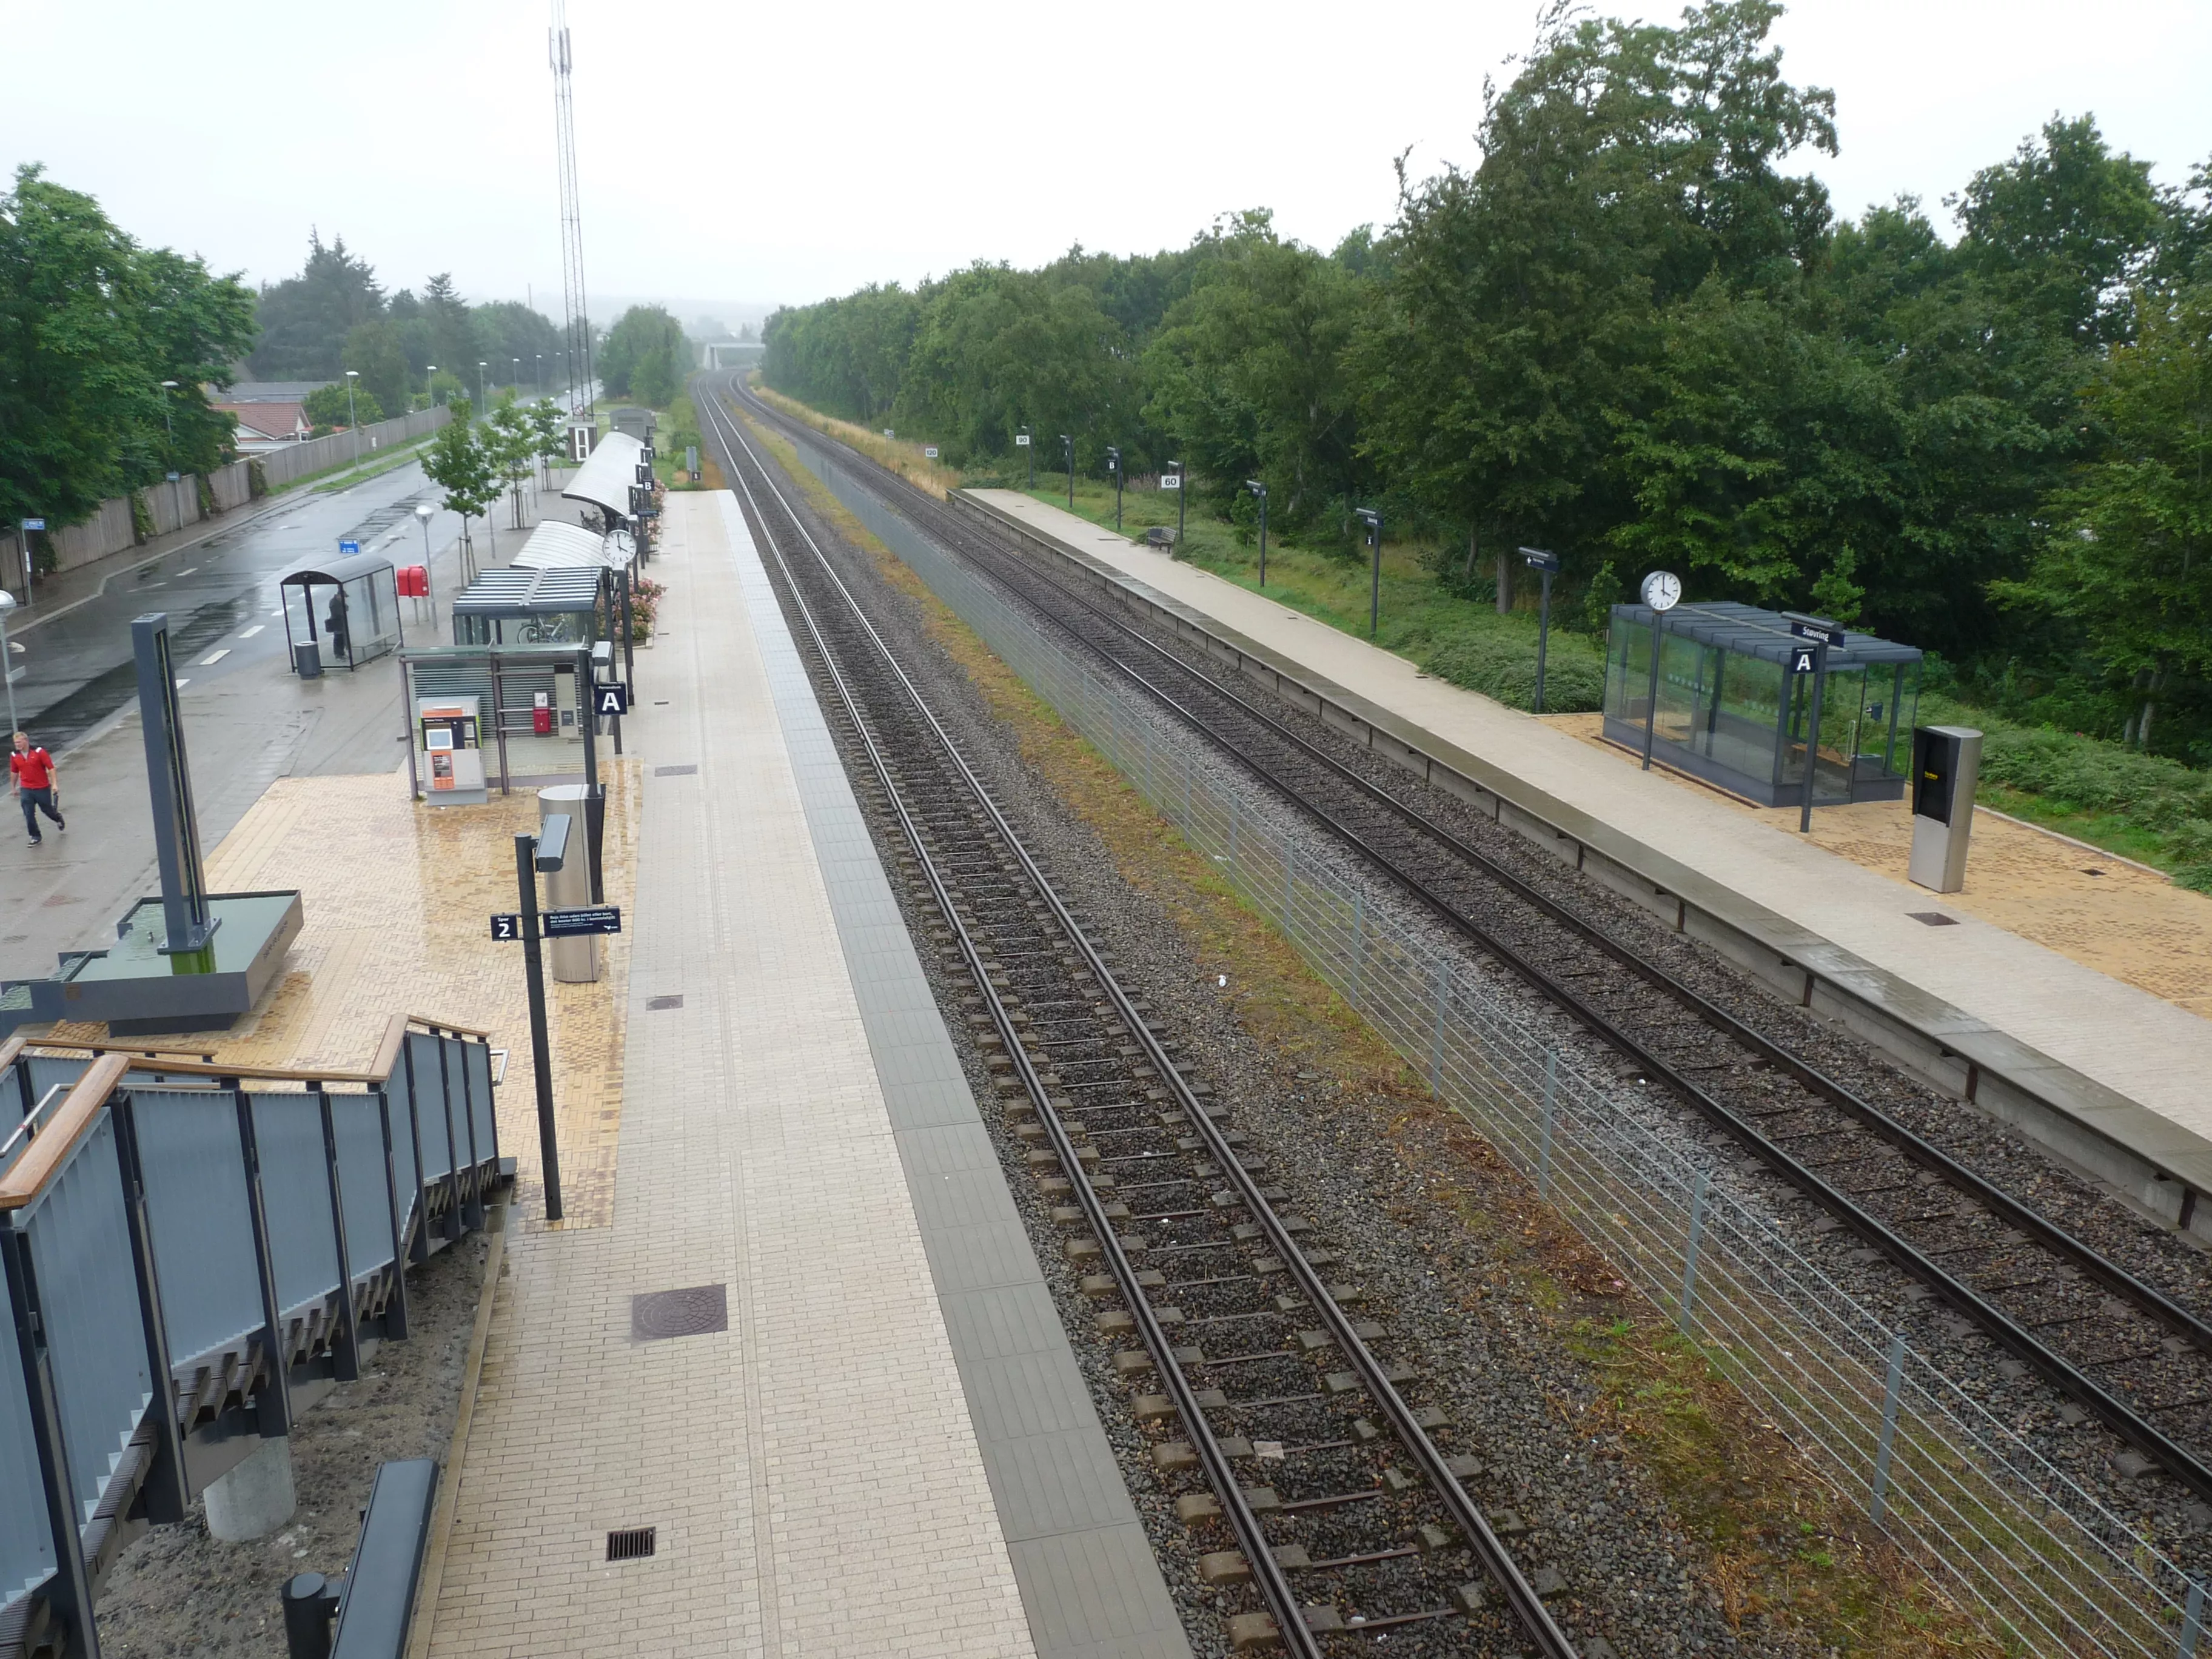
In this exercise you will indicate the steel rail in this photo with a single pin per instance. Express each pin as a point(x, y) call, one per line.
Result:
point(2063, 1374)
point(1521, 1597)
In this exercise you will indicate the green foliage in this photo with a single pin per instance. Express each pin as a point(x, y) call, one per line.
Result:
point(1504, 666)
point(374, 349)
point(548, 430)
point(645, 356)
point(460, 462)
point(327, 405)
point(91, 324)
point(305, 319)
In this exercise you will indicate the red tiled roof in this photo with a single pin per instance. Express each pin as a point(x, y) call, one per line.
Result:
point(277, 420)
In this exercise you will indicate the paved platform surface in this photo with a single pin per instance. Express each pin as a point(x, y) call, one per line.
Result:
point(887, 1450)
point(2116, 1035)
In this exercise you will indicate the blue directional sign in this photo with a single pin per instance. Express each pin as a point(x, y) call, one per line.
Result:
point(589, 918)
point(34, 523)
point(348, 548)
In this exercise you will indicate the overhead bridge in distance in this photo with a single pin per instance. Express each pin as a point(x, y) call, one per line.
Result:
point(195, 1253)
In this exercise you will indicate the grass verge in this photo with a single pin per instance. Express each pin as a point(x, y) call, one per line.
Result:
point(904, 459)
point(1785, 1552)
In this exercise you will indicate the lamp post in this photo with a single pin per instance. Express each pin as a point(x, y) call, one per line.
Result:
point(540, 382)
point(1067, 445)
point(430, 383)
point(517, 380)
point(175, 501)
point(7, 668)
point(1113, 467)
point(353, 423)
point(1181, 488)
point(1259, 494)
point(425, 511)
point(548, 851)
point(1372, 517)
point(1546, 565)
point(481, 367)
point(1022, 441)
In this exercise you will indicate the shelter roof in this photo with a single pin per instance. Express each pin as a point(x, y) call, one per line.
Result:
point(605, 478)
point(512, 591)
point(327, 571)
point(555, 546)
point(1750, 632)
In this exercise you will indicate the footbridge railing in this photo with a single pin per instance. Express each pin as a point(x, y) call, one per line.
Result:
point(193, 1253)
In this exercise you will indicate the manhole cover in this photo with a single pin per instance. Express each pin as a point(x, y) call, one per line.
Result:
point(657, 1003)
point(693, 1311)
point(674, 771)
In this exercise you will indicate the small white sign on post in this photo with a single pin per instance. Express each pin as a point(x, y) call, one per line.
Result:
point(1171, 481)
point(1021, 440)
point(929, 452)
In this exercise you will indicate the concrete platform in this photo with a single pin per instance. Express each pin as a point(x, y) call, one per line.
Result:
point(2106, 1074)
point(885, 1447)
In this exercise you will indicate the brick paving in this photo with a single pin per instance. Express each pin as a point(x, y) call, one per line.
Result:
point(812, 1471)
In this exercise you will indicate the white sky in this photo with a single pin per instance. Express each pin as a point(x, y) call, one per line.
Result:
point(784, 152)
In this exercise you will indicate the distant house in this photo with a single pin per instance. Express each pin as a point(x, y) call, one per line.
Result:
point(266, 425)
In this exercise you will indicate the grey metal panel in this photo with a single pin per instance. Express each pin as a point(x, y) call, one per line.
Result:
point(47, 1070)
point(197, 1211)
point(476, 1057)
point(1090, 1584)
point(80, 1240)
point(361, 1181)
point(431, 1105)
point(404, 1172)
point(27, 1550)
point(296, 1195)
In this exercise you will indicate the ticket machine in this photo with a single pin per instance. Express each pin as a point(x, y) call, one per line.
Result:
point(1947, 762)
point(449, 751)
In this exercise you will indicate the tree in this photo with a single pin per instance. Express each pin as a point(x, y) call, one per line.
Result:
point(458, 462)
point(506, 329)
point(374, 349)
point(452, 336)
point(329, 405)
point(2127, 554)
point(549, 431)
point(304, 319)
point(90, 326)
point(509, 439)
point(645, 356)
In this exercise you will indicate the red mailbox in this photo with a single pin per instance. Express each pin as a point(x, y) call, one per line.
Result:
point(541, 713)
point(414, 582)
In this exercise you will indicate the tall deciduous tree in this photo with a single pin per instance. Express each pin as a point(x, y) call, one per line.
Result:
point(645, 356)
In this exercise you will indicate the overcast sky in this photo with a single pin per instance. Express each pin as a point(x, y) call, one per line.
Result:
point(733, 154)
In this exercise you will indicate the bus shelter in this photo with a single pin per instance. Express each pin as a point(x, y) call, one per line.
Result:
point(345, 610)
point(527, 707)
point(1730, 711)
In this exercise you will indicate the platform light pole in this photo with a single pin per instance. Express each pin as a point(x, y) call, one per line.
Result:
point(1022, 441)
point(1113, 467)
point(540, 386)
point(430, 383)
point(1259, 494)
point(1181, 488)
point(1372, 517)
point(7, 667)
point(481, 367)
point(1067, 447)
point(1546, 566)
point(533, 853)
point(353, 421)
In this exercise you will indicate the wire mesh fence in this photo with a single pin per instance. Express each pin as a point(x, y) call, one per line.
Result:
point(2051, 1566)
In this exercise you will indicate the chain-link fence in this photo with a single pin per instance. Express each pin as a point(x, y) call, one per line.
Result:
point(1983, 1512)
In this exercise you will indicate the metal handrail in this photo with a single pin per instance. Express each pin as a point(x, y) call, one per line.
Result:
point(141, 1059)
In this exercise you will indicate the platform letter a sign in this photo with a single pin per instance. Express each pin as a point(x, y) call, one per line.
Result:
point(613, 699)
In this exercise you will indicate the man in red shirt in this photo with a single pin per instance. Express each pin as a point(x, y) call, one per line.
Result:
point(33, 772)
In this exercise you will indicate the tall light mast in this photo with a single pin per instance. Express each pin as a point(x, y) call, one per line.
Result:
point(576, 322)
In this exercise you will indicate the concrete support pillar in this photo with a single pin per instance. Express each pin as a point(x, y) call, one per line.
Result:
point(256, 1498)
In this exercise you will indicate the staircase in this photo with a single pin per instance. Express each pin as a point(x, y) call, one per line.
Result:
point(193, 1253)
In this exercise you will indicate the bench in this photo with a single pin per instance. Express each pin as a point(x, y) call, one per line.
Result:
point(1160, 535)
point(374, 1600)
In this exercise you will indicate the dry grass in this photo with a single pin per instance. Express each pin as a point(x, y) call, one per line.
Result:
point(1785, 1552)
point(904, 459)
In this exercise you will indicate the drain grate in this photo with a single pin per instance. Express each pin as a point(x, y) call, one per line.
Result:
point(1933, 918)
point(631, 1543)
point(657, 1003)
point(694, 1310)
point(674, 771)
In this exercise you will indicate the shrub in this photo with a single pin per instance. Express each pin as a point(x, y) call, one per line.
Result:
point(1504, 666)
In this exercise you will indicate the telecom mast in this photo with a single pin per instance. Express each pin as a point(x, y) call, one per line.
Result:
point(576, 322)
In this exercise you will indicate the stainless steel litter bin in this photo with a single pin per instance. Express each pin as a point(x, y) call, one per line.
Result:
point(575, 961)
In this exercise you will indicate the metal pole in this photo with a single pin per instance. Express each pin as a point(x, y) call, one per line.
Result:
point(541, 1047)
point(1263, 539)
point(2192, 1620)
point(1880, 1501)
point(1068, 444)
point(1651, 696)
point(8, 670)
point(1375, 579)
point(1812, 737)
point(1183, 498)
point(1543, 636)
point(1690, 1252)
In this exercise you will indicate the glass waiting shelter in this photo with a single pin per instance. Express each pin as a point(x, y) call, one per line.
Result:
point(1730, 712)
point(519, 606)
point(348, 607)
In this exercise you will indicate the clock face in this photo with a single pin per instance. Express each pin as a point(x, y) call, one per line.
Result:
point(1662, 590)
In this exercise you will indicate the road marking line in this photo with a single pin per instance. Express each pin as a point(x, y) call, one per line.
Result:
point(213, 657)
point(181, 684)
point(194, 571)
point(251, 631)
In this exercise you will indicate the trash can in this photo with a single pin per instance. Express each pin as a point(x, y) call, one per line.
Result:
point(575, 961)
point(308, 659)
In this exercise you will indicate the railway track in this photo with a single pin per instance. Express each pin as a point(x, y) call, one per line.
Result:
point(1318, 1481)
point(2118, 1349)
